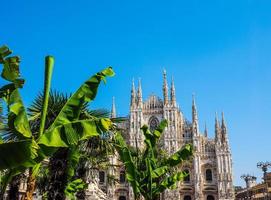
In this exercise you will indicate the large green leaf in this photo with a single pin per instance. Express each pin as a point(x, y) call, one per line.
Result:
point(169, 182)
point(15, 154)
point(4, 52)
point(67, 129)
point(17, 118)
point(86, 93)
point(183, 154)
point(70, 133)
point(11, 70)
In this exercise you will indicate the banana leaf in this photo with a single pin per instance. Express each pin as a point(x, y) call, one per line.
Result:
point(15, 154)
point(169, 183)
point(4, 52)
point(70, 133)
point(86, 93)
point(17, 118)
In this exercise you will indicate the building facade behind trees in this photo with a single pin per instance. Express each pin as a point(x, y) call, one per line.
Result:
point(210, 172)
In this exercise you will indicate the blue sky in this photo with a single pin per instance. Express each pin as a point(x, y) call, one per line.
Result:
point(219, 50)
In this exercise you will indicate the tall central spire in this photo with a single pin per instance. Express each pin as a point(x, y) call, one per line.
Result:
point(165, 87)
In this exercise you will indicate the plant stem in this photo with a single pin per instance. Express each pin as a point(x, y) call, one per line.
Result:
point(49, 64)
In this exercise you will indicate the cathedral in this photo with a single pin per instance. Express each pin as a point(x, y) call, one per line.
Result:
point(210, 171)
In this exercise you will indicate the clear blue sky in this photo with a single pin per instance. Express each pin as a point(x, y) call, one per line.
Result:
point(220, 50)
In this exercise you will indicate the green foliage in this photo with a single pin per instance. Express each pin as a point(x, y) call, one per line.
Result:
point(18, 153)
point(146, 172)
point(26, 150)
point(42, 178)
point(73, 187)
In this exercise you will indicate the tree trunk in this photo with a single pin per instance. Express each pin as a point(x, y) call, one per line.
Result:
point(31, 185)
point(81, 173)
point(58, 175)
point(13, 192)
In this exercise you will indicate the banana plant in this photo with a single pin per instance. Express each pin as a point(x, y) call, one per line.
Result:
point(147, 174)
point(25, 150)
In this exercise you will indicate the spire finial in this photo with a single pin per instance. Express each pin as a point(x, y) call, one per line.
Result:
point(113, 109)
point(165, 87)
point(173, 95)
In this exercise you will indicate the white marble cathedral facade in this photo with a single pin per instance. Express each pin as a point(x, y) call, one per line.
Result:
point(210, 172)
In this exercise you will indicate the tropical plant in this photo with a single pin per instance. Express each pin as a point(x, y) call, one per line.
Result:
point(148, 175)
point(26, 150)
point(61, 180)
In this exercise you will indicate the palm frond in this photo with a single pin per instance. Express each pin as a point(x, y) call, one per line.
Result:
point(56, 101)
point(93, 114)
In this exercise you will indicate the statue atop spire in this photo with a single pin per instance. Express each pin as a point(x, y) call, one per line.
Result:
point(165, 87)
point(113, 109)
point(172, 93)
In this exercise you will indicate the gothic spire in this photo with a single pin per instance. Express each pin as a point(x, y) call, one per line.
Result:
point(224, 129)
point(172, 93)
point(223, 125)
point(165, 87)
point(139, 94)
point(133, 94)
point(194, 110)
point(216, 122)
point(205, 131)
point(195, 122)
point(113, 109)
point(217, 128)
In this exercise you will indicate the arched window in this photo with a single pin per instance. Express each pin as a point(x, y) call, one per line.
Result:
point(122, 177)
point(153, 123)
point(209, 175)
point(187, 178)
point(187, 197)
point(101, 177)
point(122, 198)
point(210, 197)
